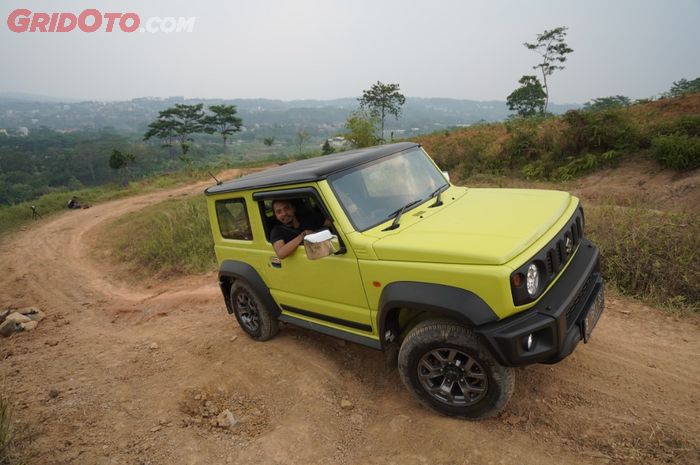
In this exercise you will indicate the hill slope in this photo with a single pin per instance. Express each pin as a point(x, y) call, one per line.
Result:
point(567, 146)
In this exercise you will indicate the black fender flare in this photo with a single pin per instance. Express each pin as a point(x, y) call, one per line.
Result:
point(448, 301)
point(232, 270)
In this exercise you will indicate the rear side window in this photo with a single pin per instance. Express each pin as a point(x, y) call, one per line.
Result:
point(233, 219)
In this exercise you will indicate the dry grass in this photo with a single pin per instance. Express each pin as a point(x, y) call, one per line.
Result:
point(569, 146)
point(5, 430)
point(171, 238)
point(649, 254)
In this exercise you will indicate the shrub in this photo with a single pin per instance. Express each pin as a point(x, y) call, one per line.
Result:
point(600, 131)
point(688, 125)
point(535, 170)
point(679, 152)
point(649, 254)
point(685, 125)
point(521, 145)
point(578, 166)
point(476, 150)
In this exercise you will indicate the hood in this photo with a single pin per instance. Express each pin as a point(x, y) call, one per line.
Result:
point(482, 227)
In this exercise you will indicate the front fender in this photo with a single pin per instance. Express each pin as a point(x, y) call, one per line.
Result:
point(451, 302)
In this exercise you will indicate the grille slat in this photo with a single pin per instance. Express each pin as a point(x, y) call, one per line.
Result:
point(560, 252)
point(555, 256)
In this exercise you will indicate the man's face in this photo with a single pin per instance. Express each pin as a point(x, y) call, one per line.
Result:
point(284, 212)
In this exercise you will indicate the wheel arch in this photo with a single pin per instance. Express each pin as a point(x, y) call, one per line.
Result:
point(436, 299)
point(232, 270)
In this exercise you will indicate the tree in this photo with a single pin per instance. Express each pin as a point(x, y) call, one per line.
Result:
point(361, 127)
point(551, 47)
point(177, 122)
point(268, 141)
point(119, 160)
point(163, 129)
point(684, 87)
point(529, 98)
point(604, 103)
point(327, 149)
point(224, 121)
point(302, 137)
point(381, 100)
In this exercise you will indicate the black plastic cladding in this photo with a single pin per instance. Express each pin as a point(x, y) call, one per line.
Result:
point(551, 259)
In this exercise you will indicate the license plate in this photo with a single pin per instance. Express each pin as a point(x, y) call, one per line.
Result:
point(593, 315)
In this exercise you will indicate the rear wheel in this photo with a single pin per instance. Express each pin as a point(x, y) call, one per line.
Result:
point(252, 314)
point(449, 370)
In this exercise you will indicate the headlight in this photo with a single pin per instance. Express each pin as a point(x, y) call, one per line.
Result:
point(533, 280)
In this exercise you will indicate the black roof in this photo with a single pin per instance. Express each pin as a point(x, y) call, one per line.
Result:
point(311, 169)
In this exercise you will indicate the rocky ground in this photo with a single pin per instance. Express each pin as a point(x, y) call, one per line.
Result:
point(159, 373)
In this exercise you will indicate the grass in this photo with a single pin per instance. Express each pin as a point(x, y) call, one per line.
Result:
point(648, 254)
point(171, 238)
point(5, 431)
point(15, 439)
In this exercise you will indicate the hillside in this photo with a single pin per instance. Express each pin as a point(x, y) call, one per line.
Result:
point(564, 147)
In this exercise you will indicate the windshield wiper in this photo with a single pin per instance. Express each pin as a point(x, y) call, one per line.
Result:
point(398, 214)
point(438, 192)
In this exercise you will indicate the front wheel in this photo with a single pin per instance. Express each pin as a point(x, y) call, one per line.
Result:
point(252, 314)
point(449, 370)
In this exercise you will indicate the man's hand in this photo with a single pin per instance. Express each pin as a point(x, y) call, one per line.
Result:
point(285, 250)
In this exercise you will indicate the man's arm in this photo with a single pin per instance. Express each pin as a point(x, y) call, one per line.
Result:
point(285, 250)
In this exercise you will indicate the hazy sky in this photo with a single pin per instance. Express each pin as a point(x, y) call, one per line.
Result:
point(326, 49)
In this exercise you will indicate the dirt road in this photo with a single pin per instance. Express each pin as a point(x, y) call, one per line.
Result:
point(125, 374)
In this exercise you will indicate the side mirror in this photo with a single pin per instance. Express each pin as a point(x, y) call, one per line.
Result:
point(320, 244)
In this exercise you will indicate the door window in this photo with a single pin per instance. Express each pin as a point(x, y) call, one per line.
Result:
point(233, 219)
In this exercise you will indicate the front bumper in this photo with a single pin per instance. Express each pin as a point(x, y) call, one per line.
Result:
point(556, 322)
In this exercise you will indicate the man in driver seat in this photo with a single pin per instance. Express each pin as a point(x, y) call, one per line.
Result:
point(289, 231)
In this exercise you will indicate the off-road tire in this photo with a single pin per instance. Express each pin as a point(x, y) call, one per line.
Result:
point(253, 316)
point(449, 370)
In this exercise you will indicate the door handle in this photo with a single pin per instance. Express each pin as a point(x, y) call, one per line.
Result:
point(275, 262)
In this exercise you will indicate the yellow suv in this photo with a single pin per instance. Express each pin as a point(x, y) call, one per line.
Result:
point(456, 284)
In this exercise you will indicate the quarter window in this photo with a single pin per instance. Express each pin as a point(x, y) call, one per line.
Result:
point(233, 219)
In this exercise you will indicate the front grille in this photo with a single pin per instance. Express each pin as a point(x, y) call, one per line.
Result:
point(554, 256)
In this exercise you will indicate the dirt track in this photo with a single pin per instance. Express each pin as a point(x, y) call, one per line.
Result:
point(125, 375)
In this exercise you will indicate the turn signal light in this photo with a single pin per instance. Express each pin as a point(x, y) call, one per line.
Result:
point(518, 279)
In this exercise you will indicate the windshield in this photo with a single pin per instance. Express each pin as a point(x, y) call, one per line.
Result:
point(371, 194)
